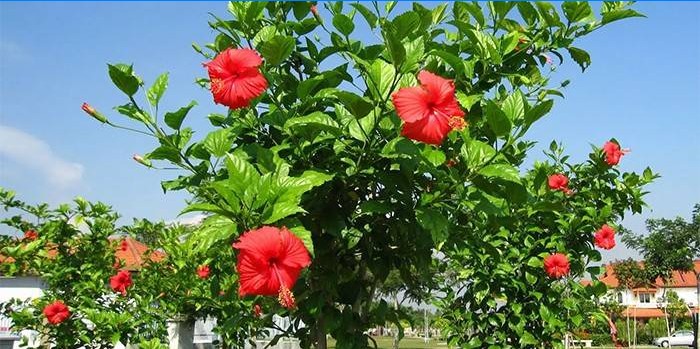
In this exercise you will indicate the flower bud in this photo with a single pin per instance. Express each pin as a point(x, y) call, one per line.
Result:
point(142, 161)
point(94, 113)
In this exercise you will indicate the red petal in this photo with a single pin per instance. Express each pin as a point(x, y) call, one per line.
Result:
point(439, 89)
point(411, 103)
point(432, 129)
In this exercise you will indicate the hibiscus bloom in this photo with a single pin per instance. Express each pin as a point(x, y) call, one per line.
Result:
point(613, 153)
point(558, 181)
point(121, 282)
point(56, 312)
point(203, 271)
point(556, 265)
point(30, 235)
point(429, 111)
point(605, 237)
point(270, 260)
point(235, 77)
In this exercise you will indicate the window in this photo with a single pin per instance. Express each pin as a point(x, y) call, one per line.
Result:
point(645, 298)
point(619, 297)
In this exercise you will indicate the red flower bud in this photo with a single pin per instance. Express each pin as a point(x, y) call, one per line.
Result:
point(94, 113)
point(257, 310)
point(314, 10)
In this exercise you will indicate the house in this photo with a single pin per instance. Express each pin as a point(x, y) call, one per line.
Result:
point(648, 302)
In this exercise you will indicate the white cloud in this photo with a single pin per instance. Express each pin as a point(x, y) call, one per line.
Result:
point(36, 155)
point(189, 219)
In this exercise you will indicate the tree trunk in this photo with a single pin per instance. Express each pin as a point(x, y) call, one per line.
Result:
point(395, 344)
point(321, 342)
point(697, 305)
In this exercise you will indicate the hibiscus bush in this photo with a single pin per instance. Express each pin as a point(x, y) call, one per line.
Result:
point(355, 140)
point(72, 250)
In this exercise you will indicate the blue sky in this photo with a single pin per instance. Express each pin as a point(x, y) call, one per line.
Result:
point(643, 88)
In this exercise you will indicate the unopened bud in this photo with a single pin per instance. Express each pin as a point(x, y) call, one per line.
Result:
point(94, 113)
point(142, 161)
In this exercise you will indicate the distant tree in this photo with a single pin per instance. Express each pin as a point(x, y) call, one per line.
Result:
point(672, 244)
point(675, 307)
point(630, 275)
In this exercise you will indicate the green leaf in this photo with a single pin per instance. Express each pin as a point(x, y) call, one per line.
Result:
point(475, 10)
point(304, 235)
point(498, 121)
point(435, 156)
point(537, 112)
point(504, 171)
point(277, 49)
point(405, 23)
point(316, 120)
point(415, 50)
point(514, 107)
point(343, 23)
point(476, 153)
point(467, 101)
point(241, 174)
point(381, 76)
point(396, 48)
point(369, 16)
point(218, 142)
point(509, 42)
point(576, 11)
point(134, 113)
point(616, 15)
point(581, 57)
point(264, 34)
point(434, 222)
point(155, 93)
point(123, 77)
point(174, 119)
point(212, 230)
point(164, 153)
point(528, 12)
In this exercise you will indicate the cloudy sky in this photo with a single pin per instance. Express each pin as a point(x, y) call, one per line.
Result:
point(643, 88)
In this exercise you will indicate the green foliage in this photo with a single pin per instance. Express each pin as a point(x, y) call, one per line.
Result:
point(321, 152)
point(74, 256)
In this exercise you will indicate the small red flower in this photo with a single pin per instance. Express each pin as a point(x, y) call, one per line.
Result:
point(31, 235)
point(314, 10)
point(203, 271)
point(613, 153)
point(56, 312)
point(121, 282)
point(429, 111)
point(257, 310)
point(124, 245)
point(605, 237)
point(235, 77)
point(451, 163)
point(558, 181)
point(269, 263)
point(556, 265)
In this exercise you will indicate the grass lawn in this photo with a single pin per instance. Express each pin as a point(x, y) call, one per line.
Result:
point(406, 343)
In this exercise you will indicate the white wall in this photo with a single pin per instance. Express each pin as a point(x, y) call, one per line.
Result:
point(687, 294)
point(22, 287)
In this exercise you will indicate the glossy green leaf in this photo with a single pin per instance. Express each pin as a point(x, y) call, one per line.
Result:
point(156, 91)
point(218, 142)
point(123, 77)
point(174, 119)
point(277, 49)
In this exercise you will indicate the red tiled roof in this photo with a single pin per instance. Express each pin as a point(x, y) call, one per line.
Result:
point(685, 279)
point(133, 256)
point(646, 312)
point(135, 252)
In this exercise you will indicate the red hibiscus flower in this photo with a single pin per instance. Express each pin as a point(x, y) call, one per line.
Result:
point(56, 312)
point(235, 77)
point(30, 235)
point(121, 282)
point(558, 181)
point(556, 265)
point(269, 263)
point(430, 111)
point(613, 153)
point(605, 237)
point(203, 271)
